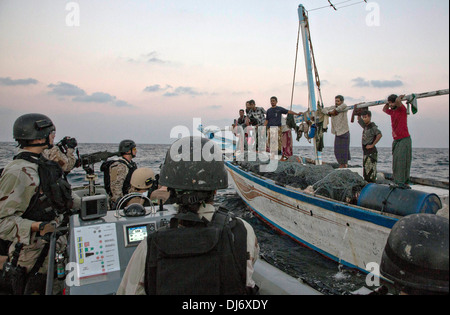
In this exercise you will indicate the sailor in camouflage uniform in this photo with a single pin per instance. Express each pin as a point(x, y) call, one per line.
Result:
point(21, 200)
point(121, 170)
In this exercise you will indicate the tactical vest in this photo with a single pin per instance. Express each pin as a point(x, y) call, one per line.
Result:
point(54, 195)
point(210, 259)
point(105, 168)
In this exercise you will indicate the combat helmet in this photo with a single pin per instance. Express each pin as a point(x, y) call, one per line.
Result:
point(416, 254)
point(142, 178)
point(32, 127)
point(126, 145)
point(195, 164)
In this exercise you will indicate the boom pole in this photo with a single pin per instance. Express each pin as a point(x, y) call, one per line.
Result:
point(407, 98)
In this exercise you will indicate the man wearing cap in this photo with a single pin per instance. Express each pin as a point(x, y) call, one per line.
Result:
point(141, 181)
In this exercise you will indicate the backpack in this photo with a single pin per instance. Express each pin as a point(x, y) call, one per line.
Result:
point(199, 260)
point(55, 188)
point(105, 168)
point(106, 176)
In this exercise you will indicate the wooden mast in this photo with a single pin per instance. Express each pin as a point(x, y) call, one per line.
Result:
point(309, 72)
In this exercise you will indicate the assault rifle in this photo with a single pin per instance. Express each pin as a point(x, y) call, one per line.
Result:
point(88, 160)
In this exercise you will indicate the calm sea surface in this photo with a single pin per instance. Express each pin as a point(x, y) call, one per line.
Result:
point(300, 262)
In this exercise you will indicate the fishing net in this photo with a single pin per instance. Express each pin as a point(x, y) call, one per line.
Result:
point(298, 175)
point(341, 185)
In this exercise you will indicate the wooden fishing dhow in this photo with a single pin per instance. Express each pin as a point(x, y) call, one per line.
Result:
point(352, 234)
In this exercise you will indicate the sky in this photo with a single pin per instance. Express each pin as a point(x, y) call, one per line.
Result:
point(108, 70)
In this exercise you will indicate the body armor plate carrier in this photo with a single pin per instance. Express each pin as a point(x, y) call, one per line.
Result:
point(208, 259)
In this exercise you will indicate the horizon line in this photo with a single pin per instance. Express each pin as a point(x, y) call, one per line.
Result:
point(298, 146)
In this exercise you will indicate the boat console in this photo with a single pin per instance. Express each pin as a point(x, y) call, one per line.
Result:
point(100, 249)
point(101, 243)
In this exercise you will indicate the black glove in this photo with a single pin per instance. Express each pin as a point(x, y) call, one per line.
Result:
point(71, 142)
point(113, 204)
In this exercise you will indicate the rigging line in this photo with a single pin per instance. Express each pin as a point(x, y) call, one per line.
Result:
point(331, 5)
point(349, 5)
point(295, 66)
point(327, 6)
point(316, 71)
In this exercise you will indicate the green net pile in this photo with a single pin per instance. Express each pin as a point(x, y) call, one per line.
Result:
point(341, 185)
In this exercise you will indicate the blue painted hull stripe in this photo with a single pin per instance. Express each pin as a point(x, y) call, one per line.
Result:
point(343, 209)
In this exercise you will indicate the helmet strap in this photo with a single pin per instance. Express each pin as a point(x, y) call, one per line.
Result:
point(130, 154)
point(37, 145)
point(44, 144)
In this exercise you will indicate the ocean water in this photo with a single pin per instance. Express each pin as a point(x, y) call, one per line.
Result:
point(321, 273)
